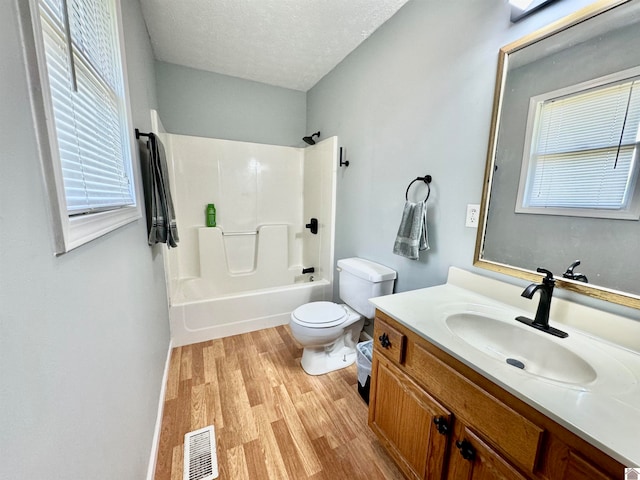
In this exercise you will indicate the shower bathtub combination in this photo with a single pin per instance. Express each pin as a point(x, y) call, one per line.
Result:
point(246, 273)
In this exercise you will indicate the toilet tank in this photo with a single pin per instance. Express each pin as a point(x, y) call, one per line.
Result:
point(361, 280)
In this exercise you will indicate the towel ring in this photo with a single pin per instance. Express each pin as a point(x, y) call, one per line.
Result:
point(426, 179)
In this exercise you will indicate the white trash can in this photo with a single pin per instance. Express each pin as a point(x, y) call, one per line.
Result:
point(364, 353)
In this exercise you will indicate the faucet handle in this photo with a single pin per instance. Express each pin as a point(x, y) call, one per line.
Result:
point(569, 272)
point(549, 275)
point(580, 277)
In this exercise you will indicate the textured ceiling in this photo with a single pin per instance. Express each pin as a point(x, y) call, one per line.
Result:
point(288, 43)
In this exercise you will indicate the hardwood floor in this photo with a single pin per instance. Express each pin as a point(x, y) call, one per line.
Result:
point(272, 420)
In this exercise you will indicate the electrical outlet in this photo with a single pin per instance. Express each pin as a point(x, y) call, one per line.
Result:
point(473, 213)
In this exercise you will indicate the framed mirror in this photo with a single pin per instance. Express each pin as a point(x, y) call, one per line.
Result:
point(558, 137)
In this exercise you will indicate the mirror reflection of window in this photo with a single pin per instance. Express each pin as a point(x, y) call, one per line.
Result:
point(581, 153)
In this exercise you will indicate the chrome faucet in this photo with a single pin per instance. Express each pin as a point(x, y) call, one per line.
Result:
point(541, 321)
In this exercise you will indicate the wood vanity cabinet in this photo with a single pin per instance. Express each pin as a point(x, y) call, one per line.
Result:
point(439, 419)
point(408, 419)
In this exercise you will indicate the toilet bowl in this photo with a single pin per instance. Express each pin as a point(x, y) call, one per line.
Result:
point(329, 332)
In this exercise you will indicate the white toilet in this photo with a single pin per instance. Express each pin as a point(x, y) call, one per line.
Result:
point(329, 331)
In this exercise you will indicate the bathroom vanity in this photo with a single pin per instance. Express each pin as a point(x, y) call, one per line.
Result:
point(446, 405)
point(459, 388)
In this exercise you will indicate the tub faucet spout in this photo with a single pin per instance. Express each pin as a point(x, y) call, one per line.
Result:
point(541, 320)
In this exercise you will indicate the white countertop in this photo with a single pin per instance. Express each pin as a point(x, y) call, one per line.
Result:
point(604, 412)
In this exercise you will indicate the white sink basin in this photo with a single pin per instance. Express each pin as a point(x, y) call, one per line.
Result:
point(530, 351)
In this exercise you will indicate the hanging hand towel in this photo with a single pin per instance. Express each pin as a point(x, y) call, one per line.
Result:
point(412, 233)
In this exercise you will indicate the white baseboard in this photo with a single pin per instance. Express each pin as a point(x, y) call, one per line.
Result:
point(153, 456)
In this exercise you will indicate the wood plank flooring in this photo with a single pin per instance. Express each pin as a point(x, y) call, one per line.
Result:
point(272, 420)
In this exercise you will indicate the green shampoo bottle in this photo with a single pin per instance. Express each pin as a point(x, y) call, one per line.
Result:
point(211, 215)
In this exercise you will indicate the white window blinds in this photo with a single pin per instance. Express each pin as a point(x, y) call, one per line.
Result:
point(583, 151)
point(89, 113)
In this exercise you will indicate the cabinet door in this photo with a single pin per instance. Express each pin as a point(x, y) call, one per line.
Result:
point(472, 459)
point(414, 427)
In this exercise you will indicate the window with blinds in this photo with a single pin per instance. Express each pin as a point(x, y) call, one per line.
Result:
point(78, 51)
point(85, 82)
point(582, 152)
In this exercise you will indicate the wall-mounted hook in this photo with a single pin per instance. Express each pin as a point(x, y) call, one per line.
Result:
point(140, 134)
point(313, 225)
point(345, 163)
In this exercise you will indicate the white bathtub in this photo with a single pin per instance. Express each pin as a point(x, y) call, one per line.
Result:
point(195, 320)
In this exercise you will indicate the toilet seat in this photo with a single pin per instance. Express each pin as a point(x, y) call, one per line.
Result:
point(320, 315)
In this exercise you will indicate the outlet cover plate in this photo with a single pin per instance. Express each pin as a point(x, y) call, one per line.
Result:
point(473, 213)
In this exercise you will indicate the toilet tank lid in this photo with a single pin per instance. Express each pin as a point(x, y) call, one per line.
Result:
point(366, 269)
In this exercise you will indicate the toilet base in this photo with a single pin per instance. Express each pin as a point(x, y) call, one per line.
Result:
point(315, 361)
point(341, 354)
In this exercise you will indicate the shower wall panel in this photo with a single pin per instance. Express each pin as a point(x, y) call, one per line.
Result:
point(319, 202)
point(252, 185)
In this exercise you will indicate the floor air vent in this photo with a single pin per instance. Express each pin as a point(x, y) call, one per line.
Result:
point(200, 460)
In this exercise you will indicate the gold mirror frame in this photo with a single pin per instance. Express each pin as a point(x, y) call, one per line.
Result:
point(598, 292)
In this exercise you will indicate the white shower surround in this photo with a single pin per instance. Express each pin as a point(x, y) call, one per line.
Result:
point(245, 274)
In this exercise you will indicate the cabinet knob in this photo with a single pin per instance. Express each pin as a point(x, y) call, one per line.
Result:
point(466, 450)
point(384, 340)
point(441, 425)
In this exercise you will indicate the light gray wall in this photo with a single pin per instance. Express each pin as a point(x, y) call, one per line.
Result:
point(205, 104)
point(603, 245)
point(415, 99)
point(83, 337)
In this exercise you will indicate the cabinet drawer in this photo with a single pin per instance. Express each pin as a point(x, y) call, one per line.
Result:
point(578, 467)
point(389, 341)
point(510, 432)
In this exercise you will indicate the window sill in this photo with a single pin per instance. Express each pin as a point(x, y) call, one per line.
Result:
point(629, 214)
point(77, 231)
